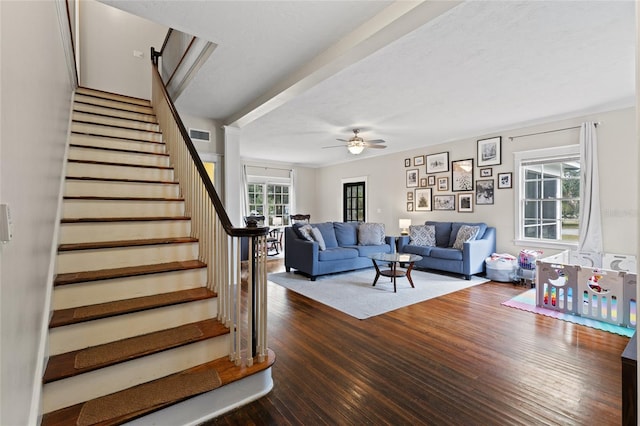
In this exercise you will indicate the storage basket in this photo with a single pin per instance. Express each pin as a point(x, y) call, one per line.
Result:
point(501, 267)
point(527, 258)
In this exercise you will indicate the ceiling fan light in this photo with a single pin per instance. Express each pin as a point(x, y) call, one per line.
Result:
point(355, 149)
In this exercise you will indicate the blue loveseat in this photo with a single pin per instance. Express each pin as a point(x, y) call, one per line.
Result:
point(343, 251)
point(468, 260)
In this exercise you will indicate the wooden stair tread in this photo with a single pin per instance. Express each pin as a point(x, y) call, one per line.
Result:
point(122, 219)
point(115, 137)
point(108, 110)
point(226, 371)
point(113, 126)
point(129, 271)
point(95, 198)
point(97, 93)
point(99, 179)
point(62, 317)
point(127, 151)
point(115, 117)
point(112, 163)
point(125, 243)
point(67, 365)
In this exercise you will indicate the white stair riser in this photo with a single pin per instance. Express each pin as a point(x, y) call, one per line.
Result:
point(125, 208)
point(91, 154)
point(89, 188)
point(94, 129)
point(105, 330)
point(114, 104)
point(110, 112)
point(102, 142)
point(94, 292)
point(119, 172)
point(90, 232)
point(114, 121)
point(71, 391)
point(122, 257)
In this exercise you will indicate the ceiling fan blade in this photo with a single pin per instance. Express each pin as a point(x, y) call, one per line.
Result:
point(334, 146)
point(343, 140)
point(376, 146)
point(376, 141)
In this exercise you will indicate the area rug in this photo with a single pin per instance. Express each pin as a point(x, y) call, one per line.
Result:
point(353, 293)
point(527, 302)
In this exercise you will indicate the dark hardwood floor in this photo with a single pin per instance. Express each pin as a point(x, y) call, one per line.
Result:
point(462, 359)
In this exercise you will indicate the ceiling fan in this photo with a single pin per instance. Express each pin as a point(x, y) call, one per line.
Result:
point(356, 144)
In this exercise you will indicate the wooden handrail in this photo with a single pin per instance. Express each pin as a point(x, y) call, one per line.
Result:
point(211, 191)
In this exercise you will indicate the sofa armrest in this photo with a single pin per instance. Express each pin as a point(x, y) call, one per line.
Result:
point(300, 254)
point(402, 241)
point(391, 241)
point(475, 252)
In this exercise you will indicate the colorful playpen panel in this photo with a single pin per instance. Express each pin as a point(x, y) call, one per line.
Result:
point(591, 292)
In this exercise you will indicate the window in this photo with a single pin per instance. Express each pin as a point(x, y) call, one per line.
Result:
point(353, 194)
point(270, 201)
point(548, 194)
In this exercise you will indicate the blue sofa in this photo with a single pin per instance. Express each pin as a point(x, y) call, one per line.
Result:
point(443, 257)
point(342, 253)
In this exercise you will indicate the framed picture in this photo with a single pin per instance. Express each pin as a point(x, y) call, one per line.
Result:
point(488, 172)
point(437, 163)
point(409, 195)
point(418, 161)
point(412, 178)
point(432, 180)
point(490, 151)
point(443, 183)
point(462, 175)
point(423, 199)
point(465, 203)
point(423, 182)
point(409, 207)
point(484, 191)
point(504, 180)
point(444, 202)
point(407, 162)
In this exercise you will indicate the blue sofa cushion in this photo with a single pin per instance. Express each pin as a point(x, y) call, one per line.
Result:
point(443, 233)
point(337, 253)
point(455, 227)
point(446, 253)
point(328, 234)
point(421, 250)
point(367, 250)
point(346, 233)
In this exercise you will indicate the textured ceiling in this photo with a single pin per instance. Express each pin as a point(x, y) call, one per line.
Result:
point(476, 68)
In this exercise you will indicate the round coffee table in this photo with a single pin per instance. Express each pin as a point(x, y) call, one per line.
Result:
point(393, 259)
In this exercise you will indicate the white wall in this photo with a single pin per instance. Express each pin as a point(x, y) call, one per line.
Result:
point(618, 153)
point(35, 104)
point(108, 37)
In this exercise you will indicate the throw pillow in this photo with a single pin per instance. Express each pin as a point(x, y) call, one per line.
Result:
point(371, 234)
point(466, 233)
point(305, 231)
point(317, 235)
point(422, 235)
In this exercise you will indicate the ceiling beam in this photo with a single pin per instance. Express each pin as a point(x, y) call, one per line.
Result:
point(395, 21)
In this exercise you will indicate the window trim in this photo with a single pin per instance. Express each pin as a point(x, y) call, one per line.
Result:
point(366, 193)
point(544, 154)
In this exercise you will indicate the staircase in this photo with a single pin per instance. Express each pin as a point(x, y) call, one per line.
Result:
point(134, 327)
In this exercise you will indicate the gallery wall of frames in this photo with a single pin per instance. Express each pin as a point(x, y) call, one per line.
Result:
point(437, 182)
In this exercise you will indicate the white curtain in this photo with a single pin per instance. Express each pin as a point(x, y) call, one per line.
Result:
point(244, 194)
point(590, 218)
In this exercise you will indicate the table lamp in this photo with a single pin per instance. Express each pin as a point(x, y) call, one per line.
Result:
point(404, 224)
